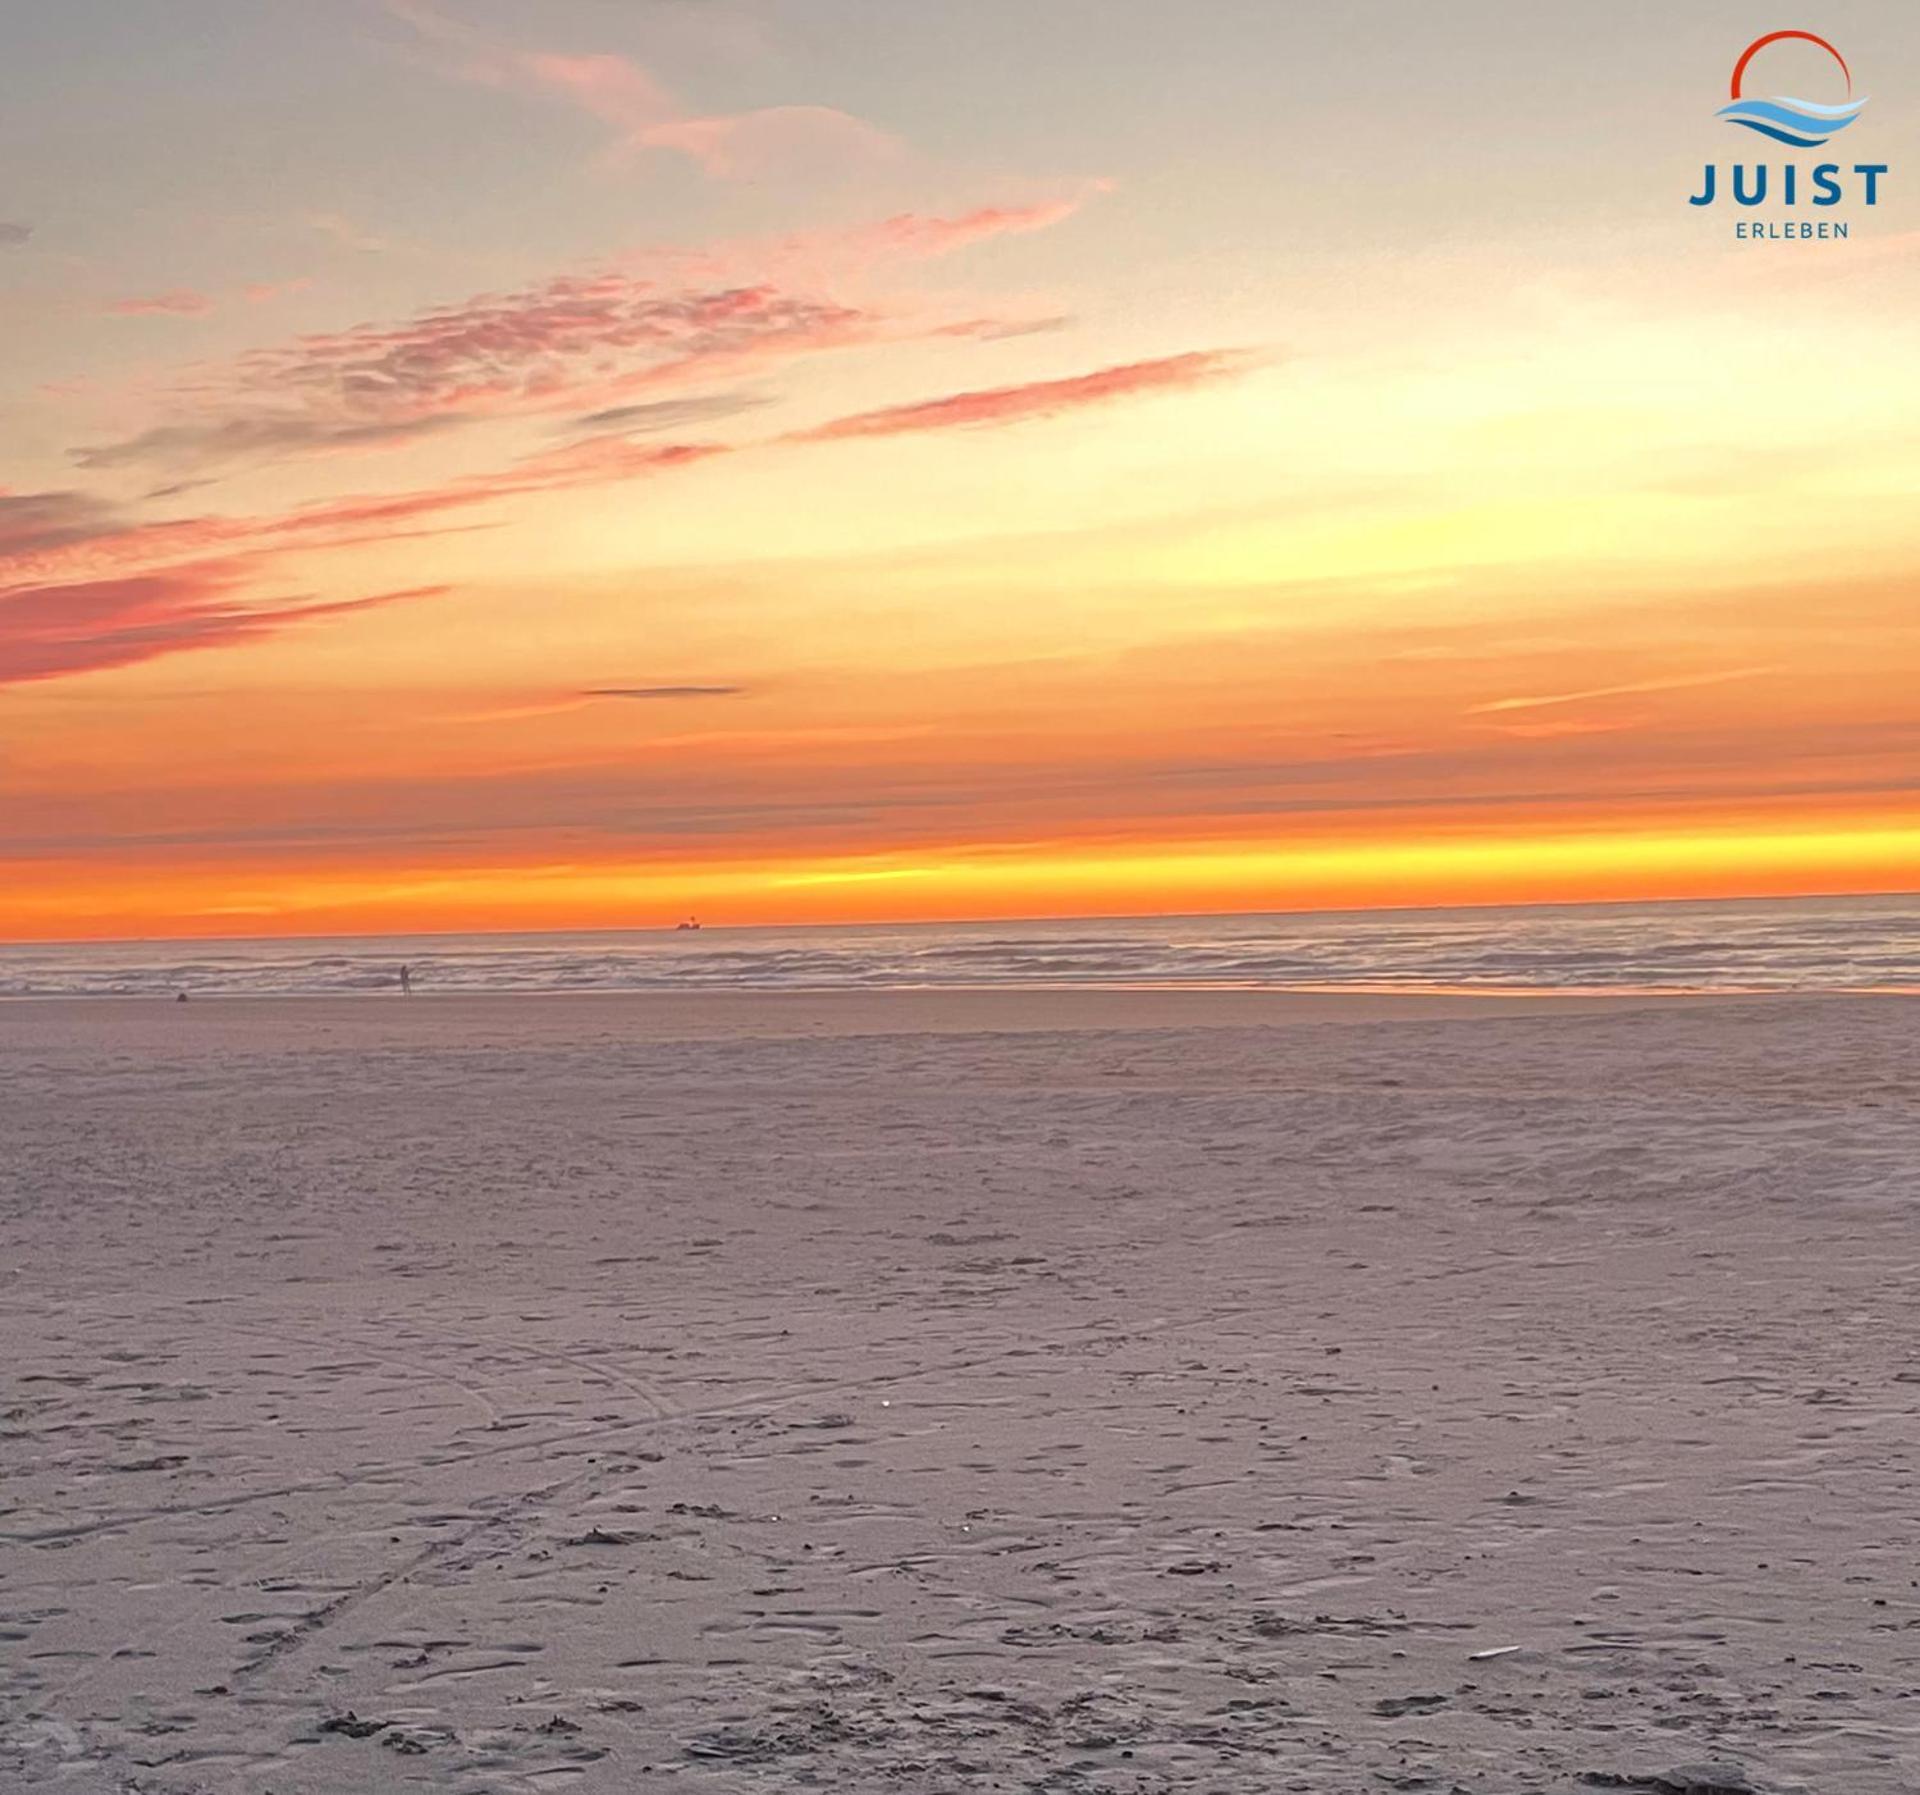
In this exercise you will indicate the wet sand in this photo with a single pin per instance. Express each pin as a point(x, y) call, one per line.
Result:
point(1112, 1392)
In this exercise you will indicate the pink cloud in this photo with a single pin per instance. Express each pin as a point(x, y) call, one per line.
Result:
point(922, 237)
point(642, 113)
point(834, 256)
point(182, 302)
point(1041, 398)
point(40, 523)
point(87, 626)
point(610, 87)
point(261, 437)
point(54, 536)
point(186, 302)
point(538, 348)
point(598, 461)
point(264, 292)
point(347, 234)
point(82, 588)
point(576, 341)
point(774, 140)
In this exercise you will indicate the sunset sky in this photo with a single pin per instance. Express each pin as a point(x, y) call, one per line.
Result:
point(545, 463)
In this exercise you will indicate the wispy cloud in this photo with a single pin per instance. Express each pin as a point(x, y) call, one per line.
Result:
point(84, 587)
point(55, 535)
point(1677, 683)
point(564, 344)
point(732, 146)
point(1001, 330)
point(653, 692)
point(222, 442)
point(837, 256)
point(265, 292)
point(189, 302)
point(924, 236)
point(1042, 398)
point(13, 235)
point(655, 415)
point(553, 705)
point(640, 111)
point(598, 343)
point(598, 461)
point(38, 523)
point(348, 235)
point(181, 302)
point(50, 631)
point(535, 348)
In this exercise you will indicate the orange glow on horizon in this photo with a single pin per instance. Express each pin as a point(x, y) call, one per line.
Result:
point(853, 534)
point(1023, 881)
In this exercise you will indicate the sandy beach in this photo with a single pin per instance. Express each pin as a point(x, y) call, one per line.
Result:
point(1092, 1392)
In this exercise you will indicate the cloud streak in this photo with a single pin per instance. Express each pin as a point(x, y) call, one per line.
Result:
point(670, 414)
point(83, 588)
point(346, 234)
point(525, 348)
point(47, 632)
point(920, 236)
point(1003, 405)
point(567, 343)
point(181, 302)
point(226, 441)
point(662, 692)
point(40, 523)
point(1677, 683)
point(597, 343)
point(642, 113)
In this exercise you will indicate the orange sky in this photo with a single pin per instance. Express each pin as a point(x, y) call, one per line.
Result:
point(819, 484)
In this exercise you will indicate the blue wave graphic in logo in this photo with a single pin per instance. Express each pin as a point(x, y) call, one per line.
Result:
point(1801, 123)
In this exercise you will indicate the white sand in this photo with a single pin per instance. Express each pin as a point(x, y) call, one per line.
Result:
point(1118, 1393)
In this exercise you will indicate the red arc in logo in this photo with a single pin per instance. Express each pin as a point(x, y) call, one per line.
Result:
point(1773, 37)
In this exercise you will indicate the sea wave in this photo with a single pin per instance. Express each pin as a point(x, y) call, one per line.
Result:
point(1799, 945)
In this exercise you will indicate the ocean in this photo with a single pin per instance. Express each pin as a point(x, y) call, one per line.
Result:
point(1802, 944)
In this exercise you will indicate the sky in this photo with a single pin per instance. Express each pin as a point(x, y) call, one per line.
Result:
point(572, 463)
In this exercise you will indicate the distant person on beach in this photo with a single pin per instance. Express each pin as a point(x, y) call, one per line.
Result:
point(406, 981)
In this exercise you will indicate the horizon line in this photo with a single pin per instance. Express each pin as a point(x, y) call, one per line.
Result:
point(949, 922)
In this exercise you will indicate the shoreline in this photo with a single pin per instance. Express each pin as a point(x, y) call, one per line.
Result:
point(739, 1014)
point(1505, 957)
point(221, 1029)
